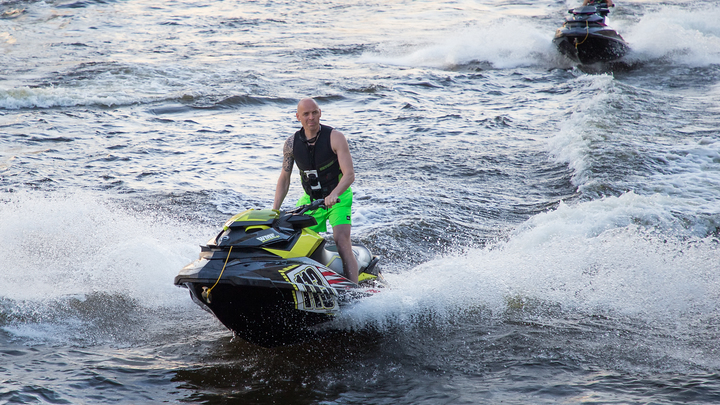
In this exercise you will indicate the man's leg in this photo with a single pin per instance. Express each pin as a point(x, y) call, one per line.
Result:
point(341, 234)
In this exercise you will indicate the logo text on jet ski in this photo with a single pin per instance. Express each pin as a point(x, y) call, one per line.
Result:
point(265, 238)
point(312, 291)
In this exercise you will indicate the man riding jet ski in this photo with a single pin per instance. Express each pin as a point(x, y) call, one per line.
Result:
point(586, 38)
point(271, 280)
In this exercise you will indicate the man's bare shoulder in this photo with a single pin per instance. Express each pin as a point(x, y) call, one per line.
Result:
point(338, 140)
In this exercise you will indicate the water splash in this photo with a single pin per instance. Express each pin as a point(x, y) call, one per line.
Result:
point(594, 259)
point(79, 259)
point(683, 36)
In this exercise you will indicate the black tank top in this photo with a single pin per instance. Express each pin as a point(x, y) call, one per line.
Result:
point(318, 164)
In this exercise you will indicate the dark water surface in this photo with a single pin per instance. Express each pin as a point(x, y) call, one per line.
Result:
point(550, 233)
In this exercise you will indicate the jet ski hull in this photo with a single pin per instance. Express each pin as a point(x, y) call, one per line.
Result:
point(586, 39)
point(584, 48)
point(262, 316)
point(270, 301)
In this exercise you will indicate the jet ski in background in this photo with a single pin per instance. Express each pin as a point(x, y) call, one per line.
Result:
point(586, 39)
point(272, 281)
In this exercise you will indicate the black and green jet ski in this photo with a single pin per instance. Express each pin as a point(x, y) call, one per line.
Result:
point(273, 281)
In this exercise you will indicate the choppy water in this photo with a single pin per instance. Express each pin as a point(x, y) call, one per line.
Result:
point(551, 235)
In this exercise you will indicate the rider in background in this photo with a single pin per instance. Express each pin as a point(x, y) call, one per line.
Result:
point(594, 2)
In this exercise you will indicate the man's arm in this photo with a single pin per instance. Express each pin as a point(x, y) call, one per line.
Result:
point(339, 144)
point(283, 183)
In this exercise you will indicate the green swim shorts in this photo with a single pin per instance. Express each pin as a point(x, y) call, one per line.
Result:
point(338, 214)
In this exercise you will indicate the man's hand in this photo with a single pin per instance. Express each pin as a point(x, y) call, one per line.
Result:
point(331, 200)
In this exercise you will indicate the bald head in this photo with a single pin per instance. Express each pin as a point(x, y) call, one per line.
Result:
point(307, 103)
point(308, 113)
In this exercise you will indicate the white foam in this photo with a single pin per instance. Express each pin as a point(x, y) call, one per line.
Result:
point(47, 97)
point(58, 245)
point(689, 37)
point(572, 143)
point(689, 164)
point(589, 258)
point(499, 43)
point(109, 84)
point(591, 219)
point(691, 174)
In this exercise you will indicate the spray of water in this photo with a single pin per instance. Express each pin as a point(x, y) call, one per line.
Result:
point(618, 256)
point(80, 262)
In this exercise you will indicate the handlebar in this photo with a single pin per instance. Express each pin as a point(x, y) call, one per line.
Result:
point(312, 206)
point(309, 207)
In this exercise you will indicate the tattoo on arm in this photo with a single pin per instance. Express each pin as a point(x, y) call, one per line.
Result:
point(288, 159)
